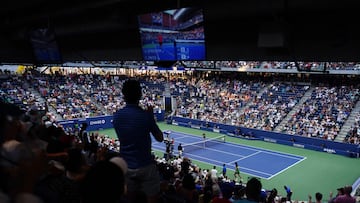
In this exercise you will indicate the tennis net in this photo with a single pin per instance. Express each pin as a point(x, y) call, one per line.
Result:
point(203, 144)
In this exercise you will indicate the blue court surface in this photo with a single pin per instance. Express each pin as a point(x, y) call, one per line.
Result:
point(251, 160)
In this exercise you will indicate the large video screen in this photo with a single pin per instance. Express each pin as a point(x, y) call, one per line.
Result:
point(45, 48)
point(171, 35)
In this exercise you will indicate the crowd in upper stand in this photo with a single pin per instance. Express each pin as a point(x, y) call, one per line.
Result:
point(301, 65)
point(250, 102)
point(239, 103)
point(324, 113)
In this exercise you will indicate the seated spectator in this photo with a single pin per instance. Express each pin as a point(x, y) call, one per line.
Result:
point(238, 194)
point(318, 198)
point(104, 182)
point(346, 197)
point(252, 191)
point(62, 185)
point(226, 193)
point(340, 191)
point(20, 166)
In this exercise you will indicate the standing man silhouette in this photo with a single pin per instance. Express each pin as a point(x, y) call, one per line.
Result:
point(134, 127)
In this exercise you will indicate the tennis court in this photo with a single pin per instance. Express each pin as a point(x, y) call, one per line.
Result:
point(328, 171)
point(215, 151)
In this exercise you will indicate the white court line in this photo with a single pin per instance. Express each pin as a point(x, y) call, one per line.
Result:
point(277, 153)
point(220, 164)
point(257, 151)
point(253, 154)
point(211, 160)
point(220, 151)
point(201, 158)
point(290, 166)
point(182, 137)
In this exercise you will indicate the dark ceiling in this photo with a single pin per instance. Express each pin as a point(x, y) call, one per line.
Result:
point(312, 30)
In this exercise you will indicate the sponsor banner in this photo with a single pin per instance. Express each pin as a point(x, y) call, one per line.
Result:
point(100, 122)
point(216, 130)
point(270, 140)
point(330, 151)
point(94, 123)
point(195, 126)
point(66, 122)
point(298, 145)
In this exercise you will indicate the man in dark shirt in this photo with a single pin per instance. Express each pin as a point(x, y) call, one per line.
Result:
point(180, 149)
point(134, 127)
point(84, 137)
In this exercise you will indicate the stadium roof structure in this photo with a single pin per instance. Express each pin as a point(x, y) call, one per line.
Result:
point(307, 30)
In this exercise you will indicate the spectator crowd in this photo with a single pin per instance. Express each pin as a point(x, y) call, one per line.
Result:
point(42, 162)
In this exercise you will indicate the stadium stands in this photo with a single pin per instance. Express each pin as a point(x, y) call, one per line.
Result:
point(309, 109)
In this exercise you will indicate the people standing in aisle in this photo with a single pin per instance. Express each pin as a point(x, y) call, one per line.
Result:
point(172, 143)
point(237, 173)
point(224, 170)
point(84, 137)
point(213, 173)
point(180, 150)
point(288, 193)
